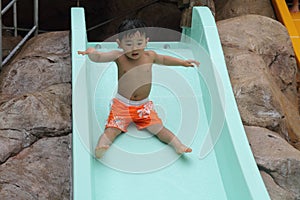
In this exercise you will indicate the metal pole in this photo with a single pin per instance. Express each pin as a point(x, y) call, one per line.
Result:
point(33, 30)
point(15, 19)
point(19, 45)
point(1, 36)
point(36, 16)
point(122, 14)
point(7, 7)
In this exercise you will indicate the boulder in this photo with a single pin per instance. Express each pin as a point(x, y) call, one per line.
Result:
point(278, 159)
point(187, 9)
point(262, 71)
point(274, 190)
point(41, 114)
point(13, 141)
point(267, 38)
point(8, 44)
point(40, 64)
point(226, 9)
point(35, 115)
point(41, 171)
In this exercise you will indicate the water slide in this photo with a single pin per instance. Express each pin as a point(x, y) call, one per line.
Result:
point(197, 104)
point(292, 23)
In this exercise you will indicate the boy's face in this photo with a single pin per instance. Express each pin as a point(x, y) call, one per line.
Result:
point(133, 45)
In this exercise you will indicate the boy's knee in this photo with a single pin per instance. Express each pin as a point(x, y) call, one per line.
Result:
point(155, 129)
point(112, 131)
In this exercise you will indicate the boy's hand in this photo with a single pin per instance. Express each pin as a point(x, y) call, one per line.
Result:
point(191, 63)
point(88, 51)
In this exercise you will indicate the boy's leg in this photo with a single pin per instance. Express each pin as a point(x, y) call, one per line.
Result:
point(105, 141)
point(168, 137)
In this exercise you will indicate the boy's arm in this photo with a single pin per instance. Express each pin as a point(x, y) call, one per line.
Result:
point(97, 56)
point(172, 61)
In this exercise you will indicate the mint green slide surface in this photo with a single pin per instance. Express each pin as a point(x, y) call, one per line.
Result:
point(196, 104)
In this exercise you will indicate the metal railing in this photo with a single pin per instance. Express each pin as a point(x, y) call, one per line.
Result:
point(122, 14)
point(34, 29)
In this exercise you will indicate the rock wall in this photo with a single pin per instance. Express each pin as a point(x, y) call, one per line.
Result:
point(35, 116)
point(263, 73)
point(226, 9)
point(278, 161)
point(270, 99)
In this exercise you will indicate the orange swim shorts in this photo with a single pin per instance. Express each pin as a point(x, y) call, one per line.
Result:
point(122, 114)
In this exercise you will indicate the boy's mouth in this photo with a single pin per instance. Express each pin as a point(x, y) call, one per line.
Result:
point(135, 54)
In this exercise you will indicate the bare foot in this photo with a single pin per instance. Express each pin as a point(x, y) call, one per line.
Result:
point(99, 151)
point(183, 149)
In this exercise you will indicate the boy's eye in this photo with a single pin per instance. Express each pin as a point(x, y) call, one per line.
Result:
point(128, 44)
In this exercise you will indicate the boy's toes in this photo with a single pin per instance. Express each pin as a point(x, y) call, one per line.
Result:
point(188, 150)
point(183, 149)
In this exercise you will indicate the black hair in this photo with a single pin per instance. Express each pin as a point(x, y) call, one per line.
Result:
point(131, 26)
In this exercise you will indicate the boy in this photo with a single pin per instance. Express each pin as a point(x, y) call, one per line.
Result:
point(131, 104)
point(295, 6)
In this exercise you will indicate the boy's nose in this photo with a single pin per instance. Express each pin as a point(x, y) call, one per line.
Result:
point(135, 47)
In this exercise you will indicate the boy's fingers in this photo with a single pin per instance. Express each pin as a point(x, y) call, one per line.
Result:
point(194, 63)
point(81, 52)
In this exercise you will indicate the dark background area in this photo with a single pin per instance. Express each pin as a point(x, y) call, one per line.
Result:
point(102, 16)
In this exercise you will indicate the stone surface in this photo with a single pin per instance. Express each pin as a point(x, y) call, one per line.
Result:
point(39, 65)
point(263, 84)
point(13, 141)
point(35, 116)
point(277, 158)
point(9, 43)
point(274, 190)
point(41, 171)
point(187, 10)
point(41, 114)
point(226, 9)
point(268, 39)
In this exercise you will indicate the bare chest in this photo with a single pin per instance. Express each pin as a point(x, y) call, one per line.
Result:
point(138, 70)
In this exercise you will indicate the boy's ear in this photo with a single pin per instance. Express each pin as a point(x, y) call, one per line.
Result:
point(147, 39)
point(118, 42)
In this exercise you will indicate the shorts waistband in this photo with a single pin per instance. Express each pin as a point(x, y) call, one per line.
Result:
point(129, 102)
